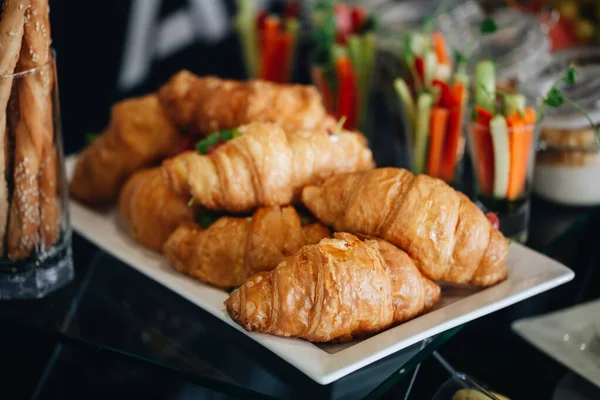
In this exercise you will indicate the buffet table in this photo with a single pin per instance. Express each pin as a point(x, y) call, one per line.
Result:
point(113, 330)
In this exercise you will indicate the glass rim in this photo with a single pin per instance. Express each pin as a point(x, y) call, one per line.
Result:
point(510, 129)
point(29, 71)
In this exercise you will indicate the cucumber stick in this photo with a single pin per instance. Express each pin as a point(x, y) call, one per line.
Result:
point(245, 24)
point(409, 105)
point(499, 131)
point(514, 103)
point(355, 52)
point(485, 85)
point(421, 139)
point(430, 62)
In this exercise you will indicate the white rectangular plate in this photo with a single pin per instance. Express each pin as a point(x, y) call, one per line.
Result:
point(571, 337)
point(530, 273)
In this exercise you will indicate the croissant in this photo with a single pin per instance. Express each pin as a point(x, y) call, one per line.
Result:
point(340, 288)
point(202, 105)
point(151, 210)
point(139, 135)
point(233, 249)
point(446, 235)
point(265, 167)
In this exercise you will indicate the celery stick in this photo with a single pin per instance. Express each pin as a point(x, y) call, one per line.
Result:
point(499, 131)
point(369, 51)
point(424, 104)
point(460, 77)
point(409, 105)
point(514, 103)
point(430, 61)
point(485, 85)
point(245, 24)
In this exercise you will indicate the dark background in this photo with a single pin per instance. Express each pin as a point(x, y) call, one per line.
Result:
point(89, 38)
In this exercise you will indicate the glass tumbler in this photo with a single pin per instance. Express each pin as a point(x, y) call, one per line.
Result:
point(503, 161)
point(35, 230)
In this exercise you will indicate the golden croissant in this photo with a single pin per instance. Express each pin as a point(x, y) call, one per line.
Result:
point(233, 249)
point(340, 288)
point(446, 235)
point(151, 210)
point(139, 136)
point(202, 105)
point(265, 166)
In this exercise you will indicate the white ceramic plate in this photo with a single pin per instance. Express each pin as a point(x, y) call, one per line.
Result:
point(530, 273)
point(571, 337)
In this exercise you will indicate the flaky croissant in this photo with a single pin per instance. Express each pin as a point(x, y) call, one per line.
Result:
point(338, 289)
point(265, 166)
point(202, 105)
point(446, 235)
point(232, 249)
point(151, 210)
point(139, 135)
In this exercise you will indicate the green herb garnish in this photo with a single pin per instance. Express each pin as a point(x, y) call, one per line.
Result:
point(206, 220)
point(555, 98)
point(204, 145)
point(488, 26)
point(191, 202)
point(90, 137)
point(231, 290)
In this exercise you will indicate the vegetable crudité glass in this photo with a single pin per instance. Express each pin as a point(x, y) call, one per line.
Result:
point(434, 97)
point(502, 137)
point(268, 39)
point(343, 59)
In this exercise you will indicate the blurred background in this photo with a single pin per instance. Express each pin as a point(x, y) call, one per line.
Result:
point(114, 49)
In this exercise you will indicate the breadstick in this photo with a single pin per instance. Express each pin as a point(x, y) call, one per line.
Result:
point(33, 133)
point(11, 33)
point(49, 213)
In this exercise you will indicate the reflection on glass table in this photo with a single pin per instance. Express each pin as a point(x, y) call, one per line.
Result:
point(130, 316)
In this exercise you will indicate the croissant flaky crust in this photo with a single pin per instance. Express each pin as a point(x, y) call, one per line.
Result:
point(202, 105)
point(265, 167)
point(233, 249)
point(339, 289)
point(446, 235)
point(139, 136)
point(151, 210)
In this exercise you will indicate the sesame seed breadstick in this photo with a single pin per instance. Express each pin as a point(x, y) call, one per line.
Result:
point(33, 134)
point(11, 33)
point(49, 212)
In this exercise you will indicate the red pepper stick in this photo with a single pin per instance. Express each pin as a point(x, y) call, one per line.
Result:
point(347, 95)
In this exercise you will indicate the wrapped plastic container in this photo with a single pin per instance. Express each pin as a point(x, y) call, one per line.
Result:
point(520, 48)
point(568, 161)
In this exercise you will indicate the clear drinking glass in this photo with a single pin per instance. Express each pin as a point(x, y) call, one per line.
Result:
point(503, 169)
point(35, 230)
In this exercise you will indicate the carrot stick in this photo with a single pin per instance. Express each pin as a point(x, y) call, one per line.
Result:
point(269, 50)
point(323, 86)
point(455, 124)
point(484, 156)
point(347, 94)
point(520, 142)
point(439, 45)
point(437, 133)
point(281, 60)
